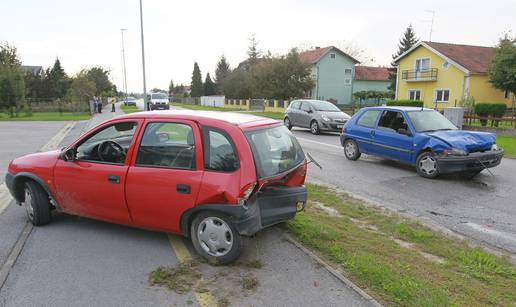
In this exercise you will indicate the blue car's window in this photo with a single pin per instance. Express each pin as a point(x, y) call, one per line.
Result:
point(368, 119)
point(392, 121)
point(429, 120)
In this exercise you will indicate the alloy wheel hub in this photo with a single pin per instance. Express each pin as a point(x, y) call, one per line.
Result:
point(428, 165)
point(215, 236)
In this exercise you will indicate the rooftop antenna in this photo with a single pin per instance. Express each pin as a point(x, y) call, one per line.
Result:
point(431, 23)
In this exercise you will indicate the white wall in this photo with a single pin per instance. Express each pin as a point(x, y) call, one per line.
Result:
point(213, 101)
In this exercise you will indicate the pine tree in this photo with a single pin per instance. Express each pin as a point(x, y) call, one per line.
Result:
point(196, 85)
point(171, 87)
point(58, 81)
point(221, 73)
point(408, 40)
point(252, 51)
point(209, 86)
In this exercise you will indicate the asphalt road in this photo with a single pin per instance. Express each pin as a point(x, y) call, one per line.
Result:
point(483, 209)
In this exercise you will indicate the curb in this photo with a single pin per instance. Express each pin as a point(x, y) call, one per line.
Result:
point(332, 270)
point(15, 252)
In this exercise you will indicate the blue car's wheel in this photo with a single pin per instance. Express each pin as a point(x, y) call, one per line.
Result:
point(351, 150)
point(426, 165)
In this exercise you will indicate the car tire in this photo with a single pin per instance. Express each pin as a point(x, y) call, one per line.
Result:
point(287, 123)
point(314, 127)
point(426, 165)
point(351, 150)
point(37, 204)
point(215, 237)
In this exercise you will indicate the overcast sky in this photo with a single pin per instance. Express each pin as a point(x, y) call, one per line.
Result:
point(177, 33)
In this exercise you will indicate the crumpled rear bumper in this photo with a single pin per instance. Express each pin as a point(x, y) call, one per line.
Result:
point(473, 162)
point(270, 206)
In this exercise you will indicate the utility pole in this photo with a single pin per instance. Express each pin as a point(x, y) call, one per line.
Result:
point(146, 103)
point(123, 61)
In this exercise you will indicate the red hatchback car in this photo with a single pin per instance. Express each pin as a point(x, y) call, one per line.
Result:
point(210, 176)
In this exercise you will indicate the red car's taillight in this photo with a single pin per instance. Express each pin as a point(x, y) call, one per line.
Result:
point(246, 192)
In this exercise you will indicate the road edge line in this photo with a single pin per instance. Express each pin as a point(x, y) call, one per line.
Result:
point(332, 270)
point(204, 299)
point(14, 254)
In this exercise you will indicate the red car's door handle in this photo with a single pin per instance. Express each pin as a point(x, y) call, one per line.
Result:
point(183, 188)
point(114, 179)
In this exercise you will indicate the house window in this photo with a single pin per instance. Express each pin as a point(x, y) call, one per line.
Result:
point(332, 55)
point(446, 64)
point(414, 94)
point(347, 71)
point(442, 95)
point(422, 64)
point(347, 81)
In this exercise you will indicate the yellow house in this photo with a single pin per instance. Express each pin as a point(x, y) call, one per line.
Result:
point(443, 74)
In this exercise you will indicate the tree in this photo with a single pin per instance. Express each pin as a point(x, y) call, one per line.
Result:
point(171, 88)
point(282, 77)
point(57, 80)
point(252, 50)
point(408, 40)
point(12, 85)
point(209, 86)
point(196, 85)
point(100, 77)
point(82, 88)
point(502, 69)
point(221, 74)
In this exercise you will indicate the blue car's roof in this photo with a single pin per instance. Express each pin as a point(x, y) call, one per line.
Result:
point(400, 108)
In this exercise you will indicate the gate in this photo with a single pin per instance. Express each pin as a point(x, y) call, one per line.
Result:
point(257, 104)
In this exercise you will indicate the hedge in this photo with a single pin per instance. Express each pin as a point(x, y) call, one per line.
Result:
point(496, 110)
point(405, 103)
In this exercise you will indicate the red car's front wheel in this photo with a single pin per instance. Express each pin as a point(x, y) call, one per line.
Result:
point(37, 204)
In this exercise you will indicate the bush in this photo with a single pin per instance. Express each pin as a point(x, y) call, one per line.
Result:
point(485, 110)
point(405, 103)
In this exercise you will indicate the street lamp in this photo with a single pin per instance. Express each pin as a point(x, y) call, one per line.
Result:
point(146, 103)
point(123, 61)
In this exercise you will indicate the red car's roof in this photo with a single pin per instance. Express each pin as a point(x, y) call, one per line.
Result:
point(243, 120)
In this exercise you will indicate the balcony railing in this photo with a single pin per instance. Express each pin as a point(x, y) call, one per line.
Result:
point(419, 75)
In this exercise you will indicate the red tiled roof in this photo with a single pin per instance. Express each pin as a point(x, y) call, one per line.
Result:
point(371, 73)
point(474, 58)
point(313, 56)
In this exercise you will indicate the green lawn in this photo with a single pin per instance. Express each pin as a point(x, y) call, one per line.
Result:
point(47, 116)
point(508, 143)
point(398, 261)
point(129, 109)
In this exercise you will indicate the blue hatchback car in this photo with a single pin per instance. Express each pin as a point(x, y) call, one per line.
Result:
point(419, 137)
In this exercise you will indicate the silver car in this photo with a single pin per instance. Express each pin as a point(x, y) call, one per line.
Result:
point(317, 115)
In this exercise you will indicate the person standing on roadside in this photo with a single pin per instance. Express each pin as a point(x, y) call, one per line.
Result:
point(99, 104)
point(93, 105)
point(112, 104)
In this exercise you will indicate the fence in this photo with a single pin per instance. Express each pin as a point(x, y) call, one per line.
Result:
point(189, 100)
point(53, 106)
point(241, 104)
point(489, 121)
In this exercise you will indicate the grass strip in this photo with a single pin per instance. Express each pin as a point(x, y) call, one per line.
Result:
point(508, 143)
point(398, 261)
point(46, 116)
point(129, 109)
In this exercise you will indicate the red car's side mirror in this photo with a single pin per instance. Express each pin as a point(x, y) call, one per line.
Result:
point(68, 155)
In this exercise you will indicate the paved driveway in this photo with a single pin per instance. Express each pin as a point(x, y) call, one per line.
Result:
point(483, 208)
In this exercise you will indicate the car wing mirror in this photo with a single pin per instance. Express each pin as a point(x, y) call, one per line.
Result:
point(309, 111)
point(404, 132)
point(69, 155)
